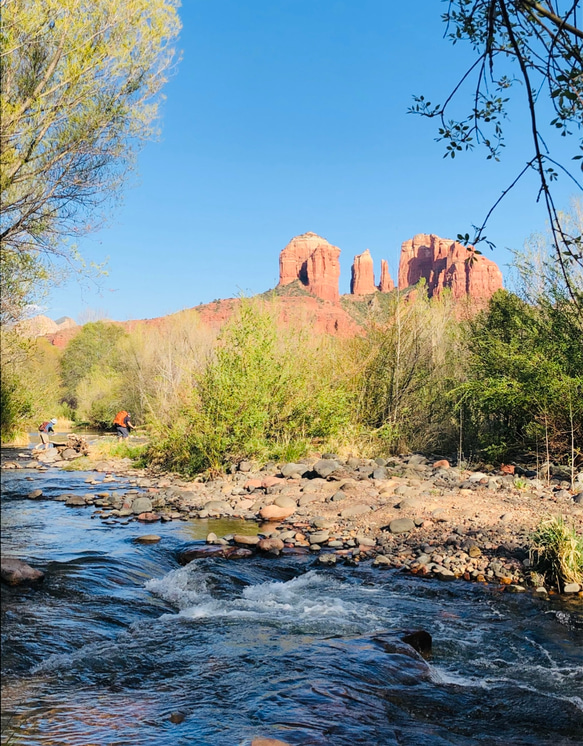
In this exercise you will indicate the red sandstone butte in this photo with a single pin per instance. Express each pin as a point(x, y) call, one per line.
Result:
point(362, 282)
point(447, 264)
point(386, 284)
point(313, 261)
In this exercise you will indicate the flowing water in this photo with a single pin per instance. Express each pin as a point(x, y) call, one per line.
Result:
point(121, 645)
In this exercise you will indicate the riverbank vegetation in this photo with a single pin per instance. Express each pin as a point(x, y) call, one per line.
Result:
point(424, 375)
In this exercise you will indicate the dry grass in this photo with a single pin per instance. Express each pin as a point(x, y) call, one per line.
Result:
point(557, 551)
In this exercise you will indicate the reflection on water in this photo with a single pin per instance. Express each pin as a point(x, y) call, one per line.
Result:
point(120, 636)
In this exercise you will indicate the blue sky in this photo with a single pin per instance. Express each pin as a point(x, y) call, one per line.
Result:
point(287, 116)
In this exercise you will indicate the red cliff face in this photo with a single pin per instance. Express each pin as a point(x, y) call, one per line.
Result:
point(313, 261)
point(362, 282)
point(386, 284)
point(447, 264)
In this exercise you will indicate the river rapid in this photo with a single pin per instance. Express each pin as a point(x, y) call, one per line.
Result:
point(121, 645)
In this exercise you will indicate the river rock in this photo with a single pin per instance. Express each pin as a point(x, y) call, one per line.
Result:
point(420, 640)
point(327, 558)
point(275, 513)
point(571, 588)
point(443, 573)
point(289, 470)
point(325, 467)
point(188, 555)
point(268, 742)
point(76, 501)
point(355, 510)
point(237, 553)
point(34, 494)
point(148, 517)
point(381, 561)
point(283, 501)
point(401, 525)
point(69, 453)
point(16, 572)
point(318, 537)
point(217, 506)
point(141, 505)
point(271, 546)
point(148, 539)
point(246, 540)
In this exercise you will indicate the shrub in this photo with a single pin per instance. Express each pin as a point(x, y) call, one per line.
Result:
point(557, 552)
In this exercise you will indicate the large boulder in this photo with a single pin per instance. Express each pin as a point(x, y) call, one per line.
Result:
point(17, 572)
point(141, 505)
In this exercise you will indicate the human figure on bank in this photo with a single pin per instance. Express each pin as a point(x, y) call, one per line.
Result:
point(123, 423)
point(44, 430)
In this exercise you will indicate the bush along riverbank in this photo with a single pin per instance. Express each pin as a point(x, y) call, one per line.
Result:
point(417, 514)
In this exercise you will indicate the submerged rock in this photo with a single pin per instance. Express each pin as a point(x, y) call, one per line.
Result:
point(17, 572)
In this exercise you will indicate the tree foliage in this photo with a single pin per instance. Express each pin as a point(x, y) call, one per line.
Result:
point(540, 46)
point(81, 82)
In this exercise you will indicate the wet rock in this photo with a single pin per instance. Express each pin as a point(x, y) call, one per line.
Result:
point(237, 553)
point(401, 525)
point(177, 717)
point(148, 539)
point(268, 742)
point(442, 573)
point(16, 572)
point(420, 640)
point(34, 494)
point(76, 501)
point(513, 588)
point(382, 561)
point(327, 558)
point(148, 517)
point(188, 555)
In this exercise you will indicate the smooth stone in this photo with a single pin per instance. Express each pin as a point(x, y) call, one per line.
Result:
point(141, 505)
point(338, 496)
point(274, 546)
point(571, 588)
point(269, 742)
point(325, 467)
point(444, 574)
point(275, 513)
point(327, 558)
point(34, 494)
point(245, 466)
point(319, 537)
point(148, 539)
point(76, 501)
point(381, 561)
point(420, 640)
point(246, 540)
point(355, 510)
point(401, 525)
point(17, 572)
point(290, 469)
point(283, 501)
point(237, 553)
point(218, 506)
point(148, 517)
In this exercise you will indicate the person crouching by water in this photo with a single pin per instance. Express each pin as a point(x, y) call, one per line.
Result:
point(44, 430)
point(123, 423)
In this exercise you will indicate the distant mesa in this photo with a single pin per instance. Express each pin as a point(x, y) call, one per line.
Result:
point(442, 263)
point(313, 261)
point(309, 274)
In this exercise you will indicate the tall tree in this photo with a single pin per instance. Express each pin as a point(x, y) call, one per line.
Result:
point(543, 43)
point(81, 87)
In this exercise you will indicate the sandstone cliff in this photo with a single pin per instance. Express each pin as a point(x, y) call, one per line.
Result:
point(362, 282)
point(386, 284)
point(313, 261)
point(447, 264)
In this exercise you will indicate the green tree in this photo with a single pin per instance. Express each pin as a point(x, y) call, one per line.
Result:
point(536, 44)
point(81, 82)
point(95, 347)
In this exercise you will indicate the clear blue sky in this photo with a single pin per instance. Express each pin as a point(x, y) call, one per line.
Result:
point(287, 116)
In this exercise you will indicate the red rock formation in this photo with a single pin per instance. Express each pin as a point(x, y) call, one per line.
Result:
point(386, 284)
point(447, 264)
point(362, 282)
point(313, 261)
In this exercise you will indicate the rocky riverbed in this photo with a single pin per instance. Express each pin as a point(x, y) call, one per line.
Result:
point(421, 515)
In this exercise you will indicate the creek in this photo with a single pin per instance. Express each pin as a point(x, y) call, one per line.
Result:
point(120, 645)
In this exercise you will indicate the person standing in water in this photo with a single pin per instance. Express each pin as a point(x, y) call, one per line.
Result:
point(44, 430)
point(123, 423)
